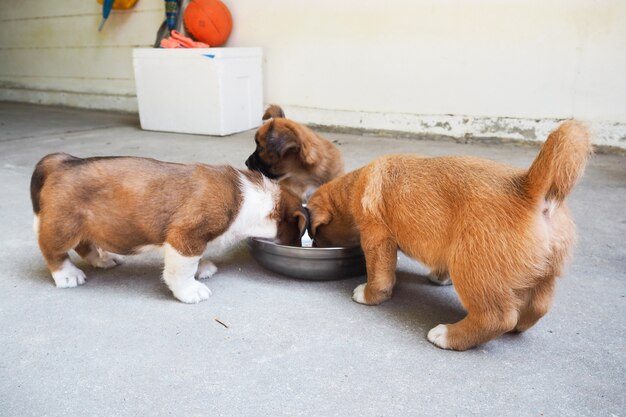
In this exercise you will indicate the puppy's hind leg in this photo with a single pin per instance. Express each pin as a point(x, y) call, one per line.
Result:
point(206, 269)
point(537, 300)
point(178, 274)
point(98, 257)
point(54, 243)
point(381, 252)
point(491, 312)
point(537, 303)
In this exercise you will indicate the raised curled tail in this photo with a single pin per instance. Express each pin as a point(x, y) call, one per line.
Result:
point(43, 168)
point(560, 163)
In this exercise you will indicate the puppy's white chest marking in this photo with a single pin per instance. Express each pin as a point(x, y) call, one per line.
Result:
point(258, 202)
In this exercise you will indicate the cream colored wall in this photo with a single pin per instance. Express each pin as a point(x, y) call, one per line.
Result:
point(51, 51)
point(453, 67)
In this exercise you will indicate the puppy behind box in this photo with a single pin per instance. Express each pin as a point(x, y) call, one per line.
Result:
point(293, 154)
point(502, 233)
point(122, 205)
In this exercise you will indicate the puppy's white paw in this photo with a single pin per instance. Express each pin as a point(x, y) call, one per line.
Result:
point(439, 279)
point(193, 293)
point(206, 269)
point(104, 259)
point(358, 294)
point(438, 336)
point(68, 276)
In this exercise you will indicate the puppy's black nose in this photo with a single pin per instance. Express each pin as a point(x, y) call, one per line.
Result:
point(248, 162)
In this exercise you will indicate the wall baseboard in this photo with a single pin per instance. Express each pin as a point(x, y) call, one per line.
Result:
point(461, 128)
point(606, 135)
point(85, 100)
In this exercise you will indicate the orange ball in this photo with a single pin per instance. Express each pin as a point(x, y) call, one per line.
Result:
point(208, 21)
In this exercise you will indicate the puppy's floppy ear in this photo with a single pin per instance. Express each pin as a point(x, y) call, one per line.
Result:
point(318, 218)
point(273, 111)
point(302, 214)
point(280, 140)
point(308, 153)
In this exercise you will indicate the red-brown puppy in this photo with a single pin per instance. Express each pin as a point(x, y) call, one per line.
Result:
point(122, 205)
point(502, 233)
point(293, 154)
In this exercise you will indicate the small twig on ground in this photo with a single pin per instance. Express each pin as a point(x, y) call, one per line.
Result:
point(221, 322)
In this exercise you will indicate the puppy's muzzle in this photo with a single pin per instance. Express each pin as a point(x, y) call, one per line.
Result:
point(256, 164)
point(250, 162)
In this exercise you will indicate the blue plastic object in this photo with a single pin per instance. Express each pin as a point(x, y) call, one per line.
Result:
point(171, 12)
point(107, 5)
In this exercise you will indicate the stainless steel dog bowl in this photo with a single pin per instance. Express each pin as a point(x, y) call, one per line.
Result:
point(317, 264)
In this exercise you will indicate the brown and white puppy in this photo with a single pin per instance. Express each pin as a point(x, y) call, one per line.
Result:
point(105, 206)
point(293, 154)
point(502, 233)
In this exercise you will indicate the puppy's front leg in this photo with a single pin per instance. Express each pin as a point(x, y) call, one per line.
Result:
point(178, 274)
point(381, 254)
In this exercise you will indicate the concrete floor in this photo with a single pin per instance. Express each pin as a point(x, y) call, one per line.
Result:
point(121, 345)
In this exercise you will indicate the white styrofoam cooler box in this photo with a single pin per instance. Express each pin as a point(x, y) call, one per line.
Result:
point(213, 91)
